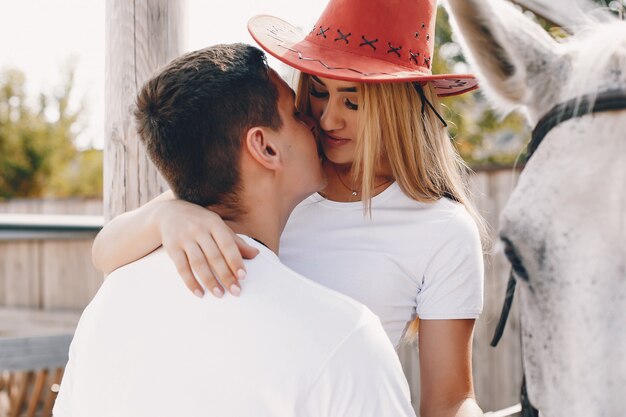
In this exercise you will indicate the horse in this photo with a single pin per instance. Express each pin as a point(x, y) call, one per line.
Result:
point(564, 225)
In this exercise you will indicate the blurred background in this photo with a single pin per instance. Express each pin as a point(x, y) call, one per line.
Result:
point(52, 90)
point(52, 136)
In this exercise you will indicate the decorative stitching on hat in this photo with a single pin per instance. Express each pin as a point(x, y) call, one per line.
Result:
point(365, 74)
point(427, 38)
point(413, 56)
point(417, 35)
point(370, 43)
point(455, 84)
point(323, 31)
point(393, 49)
point(312, 30)
point(427, 62)
point(343, 37)
point(438, 83)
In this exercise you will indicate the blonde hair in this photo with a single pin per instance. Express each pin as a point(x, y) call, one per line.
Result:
point(415, 144)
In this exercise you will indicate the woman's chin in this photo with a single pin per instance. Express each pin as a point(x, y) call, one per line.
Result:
point(339, 158)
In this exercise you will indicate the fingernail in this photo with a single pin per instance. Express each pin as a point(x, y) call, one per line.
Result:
point(199, 293)
point(218, 292)
point(235, 290)
point(241, 275)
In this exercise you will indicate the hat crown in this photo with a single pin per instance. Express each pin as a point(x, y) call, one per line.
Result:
point(367, 41)
point(398, 31)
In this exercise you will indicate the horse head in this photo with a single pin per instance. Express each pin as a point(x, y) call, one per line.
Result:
point(564, 225)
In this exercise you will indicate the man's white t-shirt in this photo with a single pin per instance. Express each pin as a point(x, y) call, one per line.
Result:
point(146, 346)
point(409, 259)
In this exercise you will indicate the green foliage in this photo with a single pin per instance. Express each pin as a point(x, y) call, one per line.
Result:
point(38, 157)
point(482, 137)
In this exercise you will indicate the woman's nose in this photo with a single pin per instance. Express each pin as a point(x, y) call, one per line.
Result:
point(330, 120)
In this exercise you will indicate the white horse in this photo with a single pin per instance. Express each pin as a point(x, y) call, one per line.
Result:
point(565, 224)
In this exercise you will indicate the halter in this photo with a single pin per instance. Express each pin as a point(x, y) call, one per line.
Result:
point(571, 109)
point(578, 107)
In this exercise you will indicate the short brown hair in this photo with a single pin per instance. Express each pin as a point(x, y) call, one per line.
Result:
point(193, 114)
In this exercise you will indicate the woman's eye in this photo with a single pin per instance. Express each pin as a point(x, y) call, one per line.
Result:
point(350, 104)
point(317, 94)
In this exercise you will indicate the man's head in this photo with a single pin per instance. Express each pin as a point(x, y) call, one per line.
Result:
point(196, 115)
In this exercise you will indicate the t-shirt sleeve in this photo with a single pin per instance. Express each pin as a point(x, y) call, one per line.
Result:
point(362, 378)
point(452, 285)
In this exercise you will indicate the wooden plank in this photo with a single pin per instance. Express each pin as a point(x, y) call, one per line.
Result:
point(52, 393)
point(89, 206)
point(33, 339)
point(69, 280)
point(22, 380)
point(498, 376)
point(141, 36)
point(28, 353)
point(20, 274)
point(483, 369)
point(38, 388)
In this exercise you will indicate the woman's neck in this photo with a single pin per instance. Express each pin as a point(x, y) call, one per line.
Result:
point(342, 187)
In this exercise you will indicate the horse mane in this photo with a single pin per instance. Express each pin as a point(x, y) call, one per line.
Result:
point(598, 58)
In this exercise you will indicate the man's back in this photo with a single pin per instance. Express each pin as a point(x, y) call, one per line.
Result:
point(288, 347)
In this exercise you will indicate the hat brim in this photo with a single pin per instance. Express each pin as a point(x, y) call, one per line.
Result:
point(288, 44)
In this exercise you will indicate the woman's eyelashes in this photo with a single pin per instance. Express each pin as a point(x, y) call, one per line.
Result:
point(317, 94)
point(350, 104)
point(324, 94)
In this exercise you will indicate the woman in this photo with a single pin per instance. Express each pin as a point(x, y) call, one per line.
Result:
point(394, 227)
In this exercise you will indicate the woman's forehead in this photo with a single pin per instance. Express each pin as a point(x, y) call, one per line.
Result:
point(335, 84)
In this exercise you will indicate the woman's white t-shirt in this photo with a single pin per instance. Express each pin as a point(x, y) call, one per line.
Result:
point(409, 258)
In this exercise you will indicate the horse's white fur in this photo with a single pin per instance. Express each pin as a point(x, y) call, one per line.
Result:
point(567, 215)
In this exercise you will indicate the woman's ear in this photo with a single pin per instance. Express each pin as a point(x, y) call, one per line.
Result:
point(260, 145)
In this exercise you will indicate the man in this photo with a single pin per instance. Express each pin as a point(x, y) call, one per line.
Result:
point(223, 130)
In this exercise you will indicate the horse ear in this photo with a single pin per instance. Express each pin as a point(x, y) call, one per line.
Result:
point(505, 47)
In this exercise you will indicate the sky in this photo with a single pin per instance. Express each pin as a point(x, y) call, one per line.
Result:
point(42, 37)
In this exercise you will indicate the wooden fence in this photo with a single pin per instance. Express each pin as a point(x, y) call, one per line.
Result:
point(48, 274)
point(57, 274)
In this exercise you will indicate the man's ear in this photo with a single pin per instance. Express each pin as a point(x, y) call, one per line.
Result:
point(260, 145)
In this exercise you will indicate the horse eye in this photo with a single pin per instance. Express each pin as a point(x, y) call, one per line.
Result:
point(514, 259)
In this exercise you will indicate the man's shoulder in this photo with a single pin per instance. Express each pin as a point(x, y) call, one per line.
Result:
point(304, 297)
point(155, 260)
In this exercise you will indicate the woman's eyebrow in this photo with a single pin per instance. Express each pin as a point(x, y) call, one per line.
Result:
point(318, 80)
point(341, 90)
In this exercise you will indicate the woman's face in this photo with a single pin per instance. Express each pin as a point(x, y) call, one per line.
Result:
point(334, 105)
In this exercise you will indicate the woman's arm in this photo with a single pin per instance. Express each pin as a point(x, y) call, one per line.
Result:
point(445, 353)
point(128, 237)
point(194, 237)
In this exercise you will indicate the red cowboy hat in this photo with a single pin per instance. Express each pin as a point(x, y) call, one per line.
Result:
point(363, 41)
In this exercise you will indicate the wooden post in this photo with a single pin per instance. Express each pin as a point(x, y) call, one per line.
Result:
point(141, 36)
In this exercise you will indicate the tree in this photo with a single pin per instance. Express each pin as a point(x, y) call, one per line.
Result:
point(38, 157)
point(482, 137)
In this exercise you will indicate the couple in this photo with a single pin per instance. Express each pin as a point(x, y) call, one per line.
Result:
point(225, 133)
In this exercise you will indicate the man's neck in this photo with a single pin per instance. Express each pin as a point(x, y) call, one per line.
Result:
point(261, 233)
point(263, 221)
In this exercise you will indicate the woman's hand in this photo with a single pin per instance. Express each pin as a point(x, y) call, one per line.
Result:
point(199, 241)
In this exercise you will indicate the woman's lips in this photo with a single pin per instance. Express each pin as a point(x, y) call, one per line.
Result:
point(333, 141)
